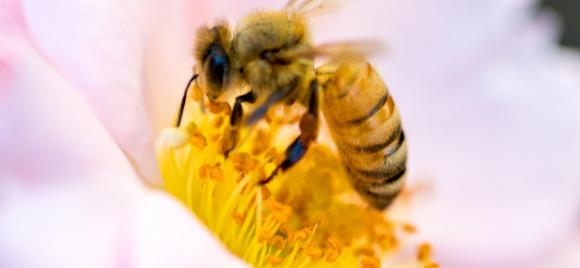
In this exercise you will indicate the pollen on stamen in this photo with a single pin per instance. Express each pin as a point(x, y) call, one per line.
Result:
point(370, 262)
point(305, 217)
point(424, 255)
point(424, 252)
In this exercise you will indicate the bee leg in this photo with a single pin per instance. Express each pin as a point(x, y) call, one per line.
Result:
point(184, 100)
point(308, 133)
point(232, 133)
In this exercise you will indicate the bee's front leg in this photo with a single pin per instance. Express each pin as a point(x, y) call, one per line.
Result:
point(308, 133)
point(231, 134)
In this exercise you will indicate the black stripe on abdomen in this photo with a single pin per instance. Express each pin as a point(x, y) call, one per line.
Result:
point(378, 177)
point(375, 148)
point(377, 107)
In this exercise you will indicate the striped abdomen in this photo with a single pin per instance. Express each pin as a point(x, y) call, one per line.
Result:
point(366, 127)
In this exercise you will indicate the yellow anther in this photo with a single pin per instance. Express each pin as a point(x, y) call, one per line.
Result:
point(251, 164)
point(431, 265)
point(227, 109)
point(216, 174)
point(218, 121)
point(278, 241)
point(191, 127)
point(228, 140)
point(334, 243)
point(215, 137)
point(198, 140)
point(243, 162)
point(370, 262)
point(196, 93)
point(365, 251)
point(409, 228)
point(381, 227)
point(265, 235)
point(284, 229)
point(313, 251)
point(265, 192)
point(280, 212)
point(332, 255)
point(219, 107)
point(319, 219)
point(238, 217)
point(424, 252)
point(239, 160)
point(388, 242)
point(214, 107)
point(204, 171)
point(274, 260)
point(297, 236)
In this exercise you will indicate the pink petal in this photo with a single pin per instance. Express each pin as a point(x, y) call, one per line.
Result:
point(168, 61)
point(166, 235)
point(68, 196)
point(101, 48)
point(42, 117)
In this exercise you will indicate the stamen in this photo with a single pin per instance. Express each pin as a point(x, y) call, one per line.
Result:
point(313, 251)
point(409, 228)
point(424, 252)
point(370, 262)
point(219, 107)
point(274, 260)
point(299, 219)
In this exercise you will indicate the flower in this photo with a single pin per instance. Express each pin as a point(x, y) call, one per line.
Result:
point(487, 98)
point(306, 217)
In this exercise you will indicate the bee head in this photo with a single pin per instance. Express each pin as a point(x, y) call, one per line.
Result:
point(213, 59)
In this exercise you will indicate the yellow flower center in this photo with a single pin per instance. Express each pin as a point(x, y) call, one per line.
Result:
point(308, 216)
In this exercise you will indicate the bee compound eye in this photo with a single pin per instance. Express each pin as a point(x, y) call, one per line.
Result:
point(218, 67)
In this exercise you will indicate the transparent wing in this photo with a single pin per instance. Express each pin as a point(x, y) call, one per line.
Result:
point(337, 50)
point(313, 7)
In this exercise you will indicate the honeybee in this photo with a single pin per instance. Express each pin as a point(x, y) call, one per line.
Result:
point(272, 54)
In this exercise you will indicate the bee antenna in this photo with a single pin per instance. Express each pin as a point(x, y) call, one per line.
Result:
point(184, 100)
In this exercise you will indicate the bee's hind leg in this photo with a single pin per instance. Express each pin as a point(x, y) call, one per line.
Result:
point(308, 132)
point(231, 135)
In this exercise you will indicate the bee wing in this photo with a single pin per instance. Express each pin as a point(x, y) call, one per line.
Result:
point(341, 51)
point(337, 51)
point(308, 7)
